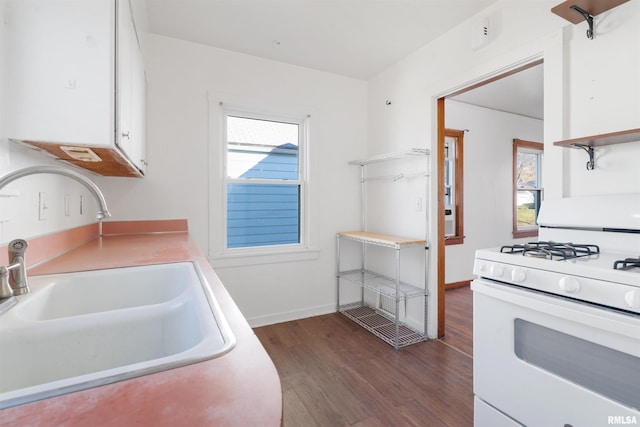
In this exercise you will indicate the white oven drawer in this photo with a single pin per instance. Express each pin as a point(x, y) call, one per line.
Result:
point(487, 416)
point(546, 361)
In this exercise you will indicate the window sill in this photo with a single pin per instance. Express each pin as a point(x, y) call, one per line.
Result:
point(525, 233)
point(262, 257)
point(454, 240)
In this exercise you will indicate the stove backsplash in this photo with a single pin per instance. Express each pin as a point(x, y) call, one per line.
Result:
point(614, 211)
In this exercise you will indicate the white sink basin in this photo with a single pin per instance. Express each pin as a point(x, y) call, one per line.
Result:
point(73, 294)
point(80, 330)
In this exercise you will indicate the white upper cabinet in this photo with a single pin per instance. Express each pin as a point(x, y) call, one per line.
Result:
point(131, 85)
point(76, 82)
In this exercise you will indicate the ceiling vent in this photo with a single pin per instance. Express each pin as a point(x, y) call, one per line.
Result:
point(480, 33)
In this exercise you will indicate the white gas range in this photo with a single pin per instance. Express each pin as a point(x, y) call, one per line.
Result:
point(557, 321)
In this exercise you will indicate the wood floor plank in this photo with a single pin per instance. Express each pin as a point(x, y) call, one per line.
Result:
point(459, 319)
point(317, 403)
point(334, 373)
point(369, 422)
point(294, 411)
point(419, 415)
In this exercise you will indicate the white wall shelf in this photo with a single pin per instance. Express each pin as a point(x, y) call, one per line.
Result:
point(414, 152)
point(588, 143)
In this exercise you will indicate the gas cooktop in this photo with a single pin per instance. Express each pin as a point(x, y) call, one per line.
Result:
point(552, 250)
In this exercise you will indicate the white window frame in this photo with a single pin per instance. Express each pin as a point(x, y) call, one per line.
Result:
point(524, 146)
point(219, 254)
point(301, 181)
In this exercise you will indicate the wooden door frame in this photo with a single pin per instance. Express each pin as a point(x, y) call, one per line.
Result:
point(440, 244)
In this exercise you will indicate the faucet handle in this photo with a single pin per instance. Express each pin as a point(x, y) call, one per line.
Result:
point(5, 289)
point(18, 277)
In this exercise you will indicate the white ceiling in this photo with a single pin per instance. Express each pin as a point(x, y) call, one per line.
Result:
point(520, 93)
point(354, 38)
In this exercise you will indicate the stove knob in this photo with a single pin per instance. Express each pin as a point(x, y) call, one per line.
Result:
point(569, 284)
point(633, 299)
point(497, 271)
point(518, 275)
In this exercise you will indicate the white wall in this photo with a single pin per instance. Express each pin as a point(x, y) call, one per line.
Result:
point(488, 178)
point(177, 185)
point(521, 32)
point(603, 88)
point(4, 159)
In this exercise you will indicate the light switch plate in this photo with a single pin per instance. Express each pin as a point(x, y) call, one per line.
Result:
point(67, 205)
point(42, 206)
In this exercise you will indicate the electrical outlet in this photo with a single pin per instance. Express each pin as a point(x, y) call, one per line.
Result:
point(42, 206)
point(67, 205)
point(419, 204)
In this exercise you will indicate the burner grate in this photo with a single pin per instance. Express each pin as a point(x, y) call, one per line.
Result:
point(552, 250)
point(626, 263)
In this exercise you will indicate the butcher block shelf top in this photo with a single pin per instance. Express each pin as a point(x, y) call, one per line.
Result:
point(381, 239)
point(592, 7)
point(630, 135)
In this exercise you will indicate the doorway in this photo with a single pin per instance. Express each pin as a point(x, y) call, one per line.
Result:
point(517, 92)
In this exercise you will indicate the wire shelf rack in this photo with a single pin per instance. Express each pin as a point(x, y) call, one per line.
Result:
point(382, 326)
point(382, 284)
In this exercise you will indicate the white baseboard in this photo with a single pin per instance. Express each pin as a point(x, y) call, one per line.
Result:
point(271, 319)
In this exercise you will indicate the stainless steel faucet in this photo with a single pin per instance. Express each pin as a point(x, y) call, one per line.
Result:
point(103, 212)
point(13, 278)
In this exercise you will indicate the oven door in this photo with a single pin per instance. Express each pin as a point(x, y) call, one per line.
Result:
point(548, 361)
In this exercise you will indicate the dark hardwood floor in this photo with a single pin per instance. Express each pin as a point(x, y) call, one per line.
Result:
point(459, 319)
point(334, 373)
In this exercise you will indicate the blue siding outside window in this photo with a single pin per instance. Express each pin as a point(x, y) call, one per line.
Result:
point(263, 186)
point(262, 214)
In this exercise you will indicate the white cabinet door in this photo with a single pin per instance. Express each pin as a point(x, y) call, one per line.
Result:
point(74, 74)
point(60, 71)
point(130, 88)
point(139, 123)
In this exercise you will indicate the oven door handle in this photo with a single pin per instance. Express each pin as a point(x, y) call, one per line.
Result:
point(584, 313)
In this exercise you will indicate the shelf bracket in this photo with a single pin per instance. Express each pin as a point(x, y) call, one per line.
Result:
point(587, 17)
point(591, 164)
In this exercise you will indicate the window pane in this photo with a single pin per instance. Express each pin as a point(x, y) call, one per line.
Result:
point(262, 215)
point(261, 149)
point(448, 188)
point(528, 203)
point(527, 170)
point(449, 169)
point(527, 182)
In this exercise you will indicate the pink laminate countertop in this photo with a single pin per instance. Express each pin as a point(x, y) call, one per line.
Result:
point(240, 388)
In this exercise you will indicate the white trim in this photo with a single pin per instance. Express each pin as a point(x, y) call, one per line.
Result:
point(262, 256)
point(300, 182)
point(287, 316)
point(219, 106)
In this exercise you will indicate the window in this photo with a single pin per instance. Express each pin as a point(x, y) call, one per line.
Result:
point(453, 188)
point(264, 180)
point(527, 187)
